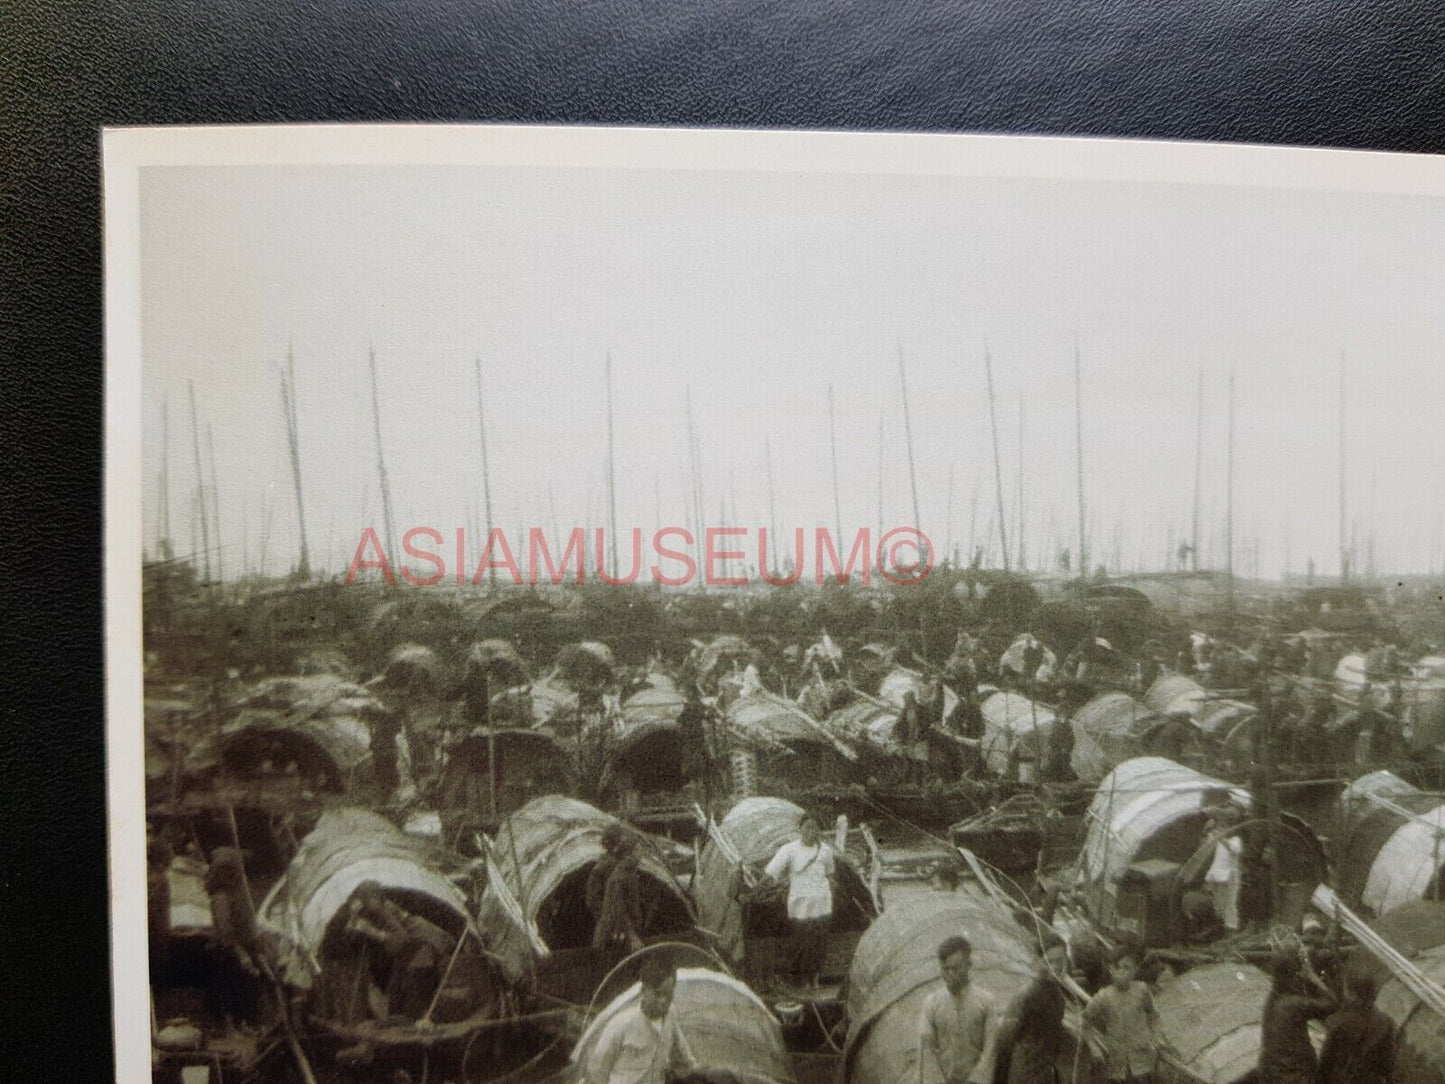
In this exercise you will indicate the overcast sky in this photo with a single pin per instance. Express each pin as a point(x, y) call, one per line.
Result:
point(758, 291)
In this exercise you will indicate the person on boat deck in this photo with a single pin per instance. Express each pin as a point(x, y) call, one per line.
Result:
point(386, 726)
point(159, 855)
point(1360, 1039)
point(614, 894)
point(233, 916)
point(957, 1023)
point(1031, 1036)
point(1123, 1017)
point(418, 950)
point(808, 864)
point(1225, 876)
point(697, 758)
point(1286, 1055)
point(475, 695)
point(643, 1043)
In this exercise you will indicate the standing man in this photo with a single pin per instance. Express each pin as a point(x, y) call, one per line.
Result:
point(1032, 1037)
point(643, 1041)
point(614, 893)
point(808, 864)
point(1122, 1014)
point(1286, 1055)
point(1360, 1041)
point(957, 1023)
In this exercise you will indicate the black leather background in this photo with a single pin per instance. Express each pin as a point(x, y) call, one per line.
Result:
point(1367, 75)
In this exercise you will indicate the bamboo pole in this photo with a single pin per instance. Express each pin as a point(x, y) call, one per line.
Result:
point(215, 506)
point(1345, 554)
point(772, 505)
point(1079, 461)
point(611, 472)
point(1023, 557)
point(293, 443)
point(386, 516)
point(833, 449)
point(1229, 500)
point(908, 439)
point(163, 512)
point(997, 462)
point(1198, 473)
point(486, 467)
point(200, 486)
point(879, 539)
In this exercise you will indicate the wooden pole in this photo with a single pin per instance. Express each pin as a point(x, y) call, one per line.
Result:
point(772, 505)
point(694, 453)
point(948, 517)
point(833, 449)
point(1023, 556)
point(908, 439)
point(200, 486)
point(1229, 500)
point(486, 467)
point(997, 462)
point(265, 531)
point(880, 480)
point(163, 513)
point(215, 506)
point(388, 522)
point(1345, 554)
point(611, 472)
point(293, 442)
point(1079, 461)
point(1198, 473)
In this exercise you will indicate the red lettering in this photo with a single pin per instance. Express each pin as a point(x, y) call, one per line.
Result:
point(575, 547)
point(782, 581)
point(357, 563)
point(494, 536)
point(434, 558)
point(712, 556)
point(843, 575)
point(664, 553)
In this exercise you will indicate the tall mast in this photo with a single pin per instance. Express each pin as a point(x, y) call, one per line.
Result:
point(200, 486)
point(265, 530)
point(1023, 565)
point(908, 436)
point(772, 506)
point(245, 541)
point(163, 512)
point(833, 448)
point(997, 463)
point(386, 516)
point(215, 506)
point(1198, 474)
point(1079, 461)
point(880, 478)
point(1229, 499)
point(1345, 554)
point(948, 517)
point(293, 443)
point(611, 471)
point(486, 468)
point(694, 452)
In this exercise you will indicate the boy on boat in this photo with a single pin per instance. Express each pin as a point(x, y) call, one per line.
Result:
point(1123, 1017)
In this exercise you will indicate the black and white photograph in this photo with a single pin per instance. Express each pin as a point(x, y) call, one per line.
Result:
point(627, 606)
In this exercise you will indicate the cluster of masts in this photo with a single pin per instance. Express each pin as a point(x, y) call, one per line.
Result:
point(1068, 551)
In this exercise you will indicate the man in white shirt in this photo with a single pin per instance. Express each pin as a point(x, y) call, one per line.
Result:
point(955, 1029)
point(643, 1041)
point(808, 864)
